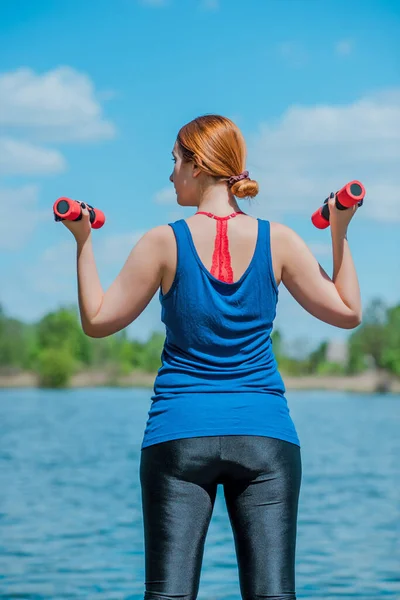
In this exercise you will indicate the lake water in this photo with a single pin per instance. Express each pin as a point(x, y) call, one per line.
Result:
point(70, 504)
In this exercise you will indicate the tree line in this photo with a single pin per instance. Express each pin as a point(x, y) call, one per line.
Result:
point(55, 348)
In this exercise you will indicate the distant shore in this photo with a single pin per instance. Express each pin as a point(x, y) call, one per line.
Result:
point(367, 382)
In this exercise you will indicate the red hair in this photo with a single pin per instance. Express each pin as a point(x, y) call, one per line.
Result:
point(216, 145)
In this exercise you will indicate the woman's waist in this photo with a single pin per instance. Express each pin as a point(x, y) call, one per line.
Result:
point(220, 364)
point(174, 380)
point(208, 409)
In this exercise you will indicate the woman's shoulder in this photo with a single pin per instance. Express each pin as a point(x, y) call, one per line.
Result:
point(280, 231)
point(284, 239)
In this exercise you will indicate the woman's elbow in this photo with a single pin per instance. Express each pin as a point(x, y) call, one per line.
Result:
point(101, 330)
point(95, 332)
point(352, 321)
point(91, 334)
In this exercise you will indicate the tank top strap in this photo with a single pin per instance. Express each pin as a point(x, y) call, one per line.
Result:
point(182, 246)
point(264, 262)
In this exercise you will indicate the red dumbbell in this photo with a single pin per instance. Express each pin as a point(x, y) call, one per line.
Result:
point(65, 208)
point(350, 194)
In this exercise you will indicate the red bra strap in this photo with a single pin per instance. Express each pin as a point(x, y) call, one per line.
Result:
point(201, 212)
point(221, 262)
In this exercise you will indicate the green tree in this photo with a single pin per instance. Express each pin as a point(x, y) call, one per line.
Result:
point(317, 358)
point(277, 344)
point(55, 367)
point(13, 343)
point(330, 368)
point(369, 340)
point(62, 329)
point(17, 342)
point(118, 353)
point(391, 351)
point(150, 357)
point(56, 346)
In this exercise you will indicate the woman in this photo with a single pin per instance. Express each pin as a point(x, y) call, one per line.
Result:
point(218, 413)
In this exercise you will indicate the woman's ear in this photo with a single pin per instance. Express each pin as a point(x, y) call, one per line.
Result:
point(196, 170)
point(195, 166)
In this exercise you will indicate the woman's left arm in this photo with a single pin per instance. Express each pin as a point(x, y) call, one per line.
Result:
point(103, 314)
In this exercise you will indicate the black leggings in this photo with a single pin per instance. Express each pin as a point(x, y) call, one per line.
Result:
point(261, 477)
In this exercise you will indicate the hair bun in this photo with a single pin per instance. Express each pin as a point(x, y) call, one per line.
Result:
point(245, 188)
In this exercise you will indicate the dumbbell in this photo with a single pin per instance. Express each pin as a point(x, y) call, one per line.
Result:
point(71, 210)
point(350, 194)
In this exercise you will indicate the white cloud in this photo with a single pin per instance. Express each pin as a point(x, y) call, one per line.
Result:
point(311, 151)
point(20, 212)
point(166, 196)
point(59, 105)
point(23, 158)
point(344, 47)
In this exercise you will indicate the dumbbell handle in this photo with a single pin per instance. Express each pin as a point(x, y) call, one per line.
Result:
point(65, 208)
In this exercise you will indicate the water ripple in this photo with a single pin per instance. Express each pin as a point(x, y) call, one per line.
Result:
point(70, 503)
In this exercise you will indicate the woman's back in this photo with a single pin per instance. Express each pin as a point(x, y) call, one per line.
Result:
point(242, 232)
point(218, 374)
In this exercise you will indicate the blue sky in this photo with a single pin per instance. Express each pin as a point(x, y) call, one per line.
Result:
point(92, 95)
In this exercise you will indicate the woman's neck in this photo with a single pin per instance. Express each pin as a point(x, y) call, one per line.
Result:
point(219, 202)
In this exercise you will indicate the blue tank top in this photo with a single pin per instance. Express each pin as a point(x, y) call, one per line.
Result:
point(218, 373)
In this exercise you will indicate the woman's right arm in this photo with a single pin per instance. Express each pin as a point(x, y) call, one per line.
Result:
point(335, 301)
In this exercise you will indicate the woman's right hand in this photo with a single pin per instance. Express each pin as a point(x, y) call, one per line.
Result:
point(340, 219)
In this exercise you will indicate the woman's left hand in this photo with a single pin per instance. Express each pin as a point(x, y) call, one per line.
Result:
point(81, 229)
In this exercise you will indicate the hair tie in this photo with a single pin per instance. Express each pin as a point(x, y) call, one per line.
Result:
point(236, 178)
